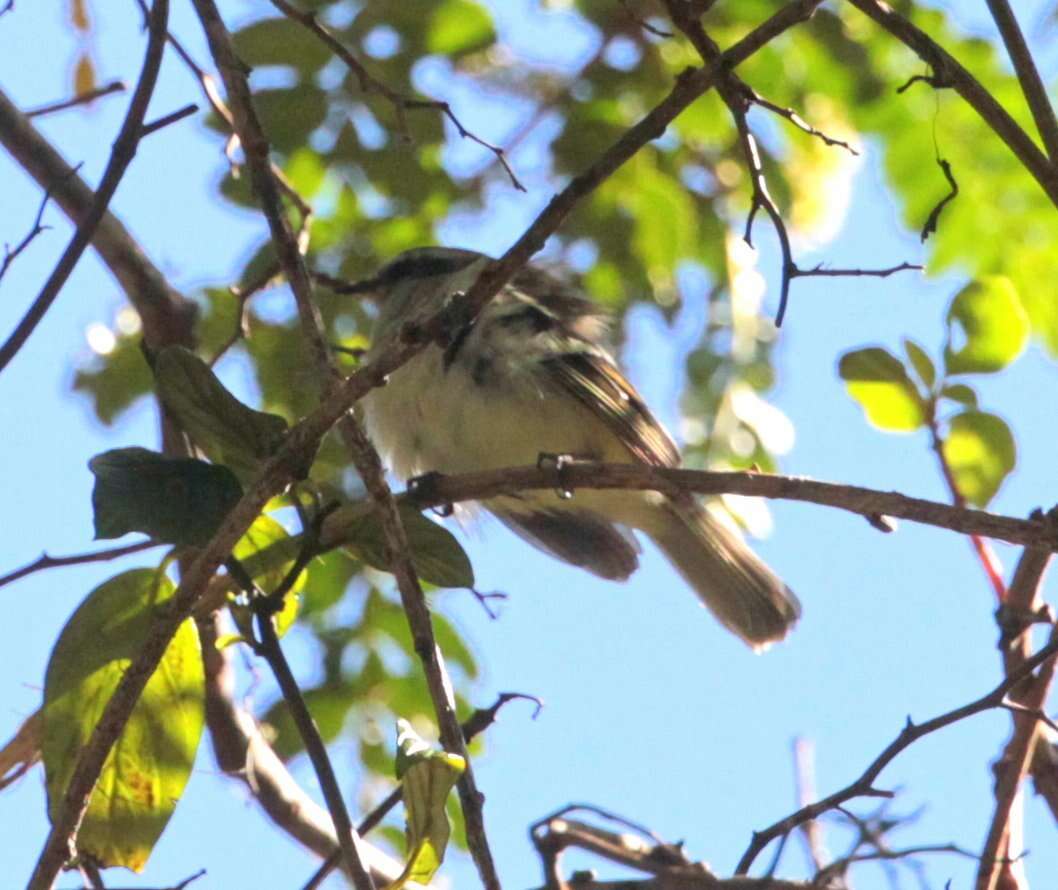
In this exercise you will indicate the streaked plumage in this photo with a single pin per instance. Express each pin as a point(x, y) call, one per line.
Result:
point(529, 377)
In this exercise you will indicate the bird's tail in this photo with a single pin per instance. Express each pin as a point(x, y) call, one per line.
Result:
point(730, 579)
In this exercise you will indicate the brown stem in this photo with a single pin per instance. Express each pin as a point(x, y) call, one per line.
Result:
point(1028, 74)
point(120, 157)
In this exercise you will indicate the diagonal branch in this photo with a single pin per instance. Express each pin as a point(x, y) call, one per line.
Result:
point(948, 72)
point(1028, 74)
point(120, 157)
point(166, 314)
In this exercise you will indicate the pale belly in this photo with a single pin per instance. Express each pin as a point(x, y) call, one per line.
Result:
point(429, 419)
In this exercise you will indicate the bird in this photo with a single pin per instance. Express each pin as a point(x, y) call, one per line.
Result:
point(530, 376)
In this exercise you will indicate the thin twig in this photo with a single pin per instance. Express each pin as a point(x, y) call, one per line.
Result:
point(50, 562)
point(167, 315)
point(794, 118)
point(370, 84)
point(823, 272)
point(168, 119)
point(268, 647)
point(120, 157)
point(1028, 74)
point(985, 555)
point(115, 86)
point(912, 732)
point(36, 229)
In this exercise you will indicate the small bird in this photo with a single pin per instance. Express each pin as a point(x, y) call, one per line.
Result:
point(529, 377)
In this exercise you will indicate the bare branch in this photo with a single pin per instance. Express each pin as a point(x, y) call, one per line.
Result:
point(36, 229)
point(822, 272)
point(115, 86)
point(948, 72)
point(50, 562)
point(1028, 74)
point(912, 732)
point(168, 119)
point(437, 490)
point(166, 314)
point(120, 157)
point(372, 85)
point(1016, 762)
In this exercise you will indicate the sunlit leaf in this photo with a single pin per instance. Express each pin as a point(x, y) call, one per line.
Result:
point(145, 772)
point(175, 500)
point(280, 41)
point(880, 383)
point(457, 27)
point(980, 450)
point(989, 316)
point(116, 380)
point(428, 776)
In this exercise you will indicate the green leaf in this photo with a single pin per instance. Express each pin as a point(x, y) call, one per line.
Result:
point(175, 500)
point(458, 27)
point(281, 41)
point(146, 771)
point(961, 393)
point(428, 776)
point(228, 431)
point(880, 383)
point(989, 314)
point(980, 450)
point(116, 380)
point(921, 362)
point(436, 554)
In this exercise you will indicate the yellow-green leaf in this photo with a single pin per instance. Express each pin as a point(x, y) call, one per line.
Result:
point(148, 767)
point(267, 552)
point(427, 777)
point(880, 383)
point(980, 450)
point(457, 27)
point(988, 315)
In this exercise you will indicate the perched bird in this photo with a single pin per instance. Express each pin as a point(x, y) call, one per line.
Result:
point(529, 377)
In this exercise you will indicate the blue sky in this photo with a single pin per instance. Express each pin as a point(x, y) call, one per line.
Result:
point(652, 710)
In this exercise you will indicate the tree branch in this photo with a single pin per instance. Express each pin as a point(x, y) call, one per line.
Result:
point(1028, 74)
point(1016, 762)
point(912, 732)
point(166, 314)
point(115, 86)
point(438, 490)
point(948, 72)
point(50, 562)
point(242, 752)
point(120, 157)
